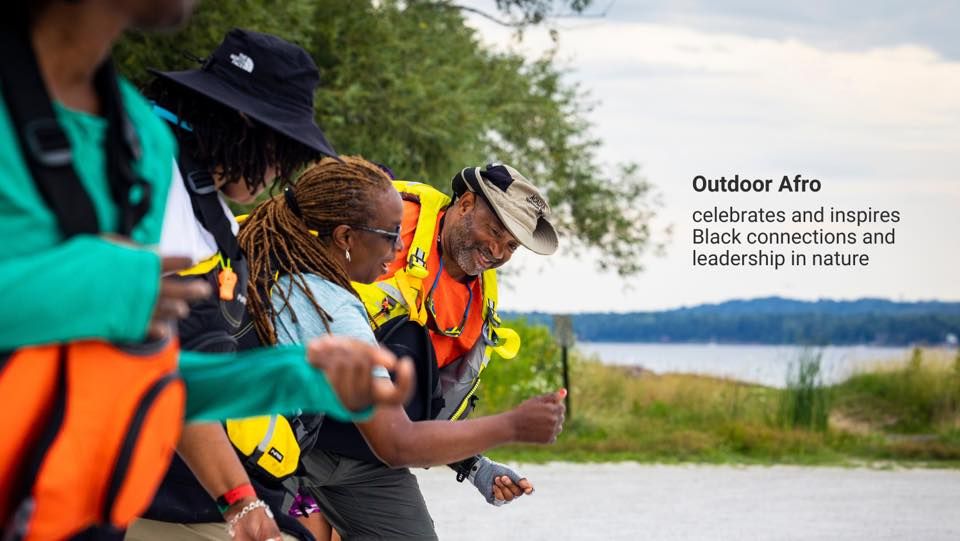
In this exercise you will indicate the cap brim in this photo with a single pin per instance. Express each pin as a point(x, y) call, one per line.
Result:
point(296, 126)
point(543, 240)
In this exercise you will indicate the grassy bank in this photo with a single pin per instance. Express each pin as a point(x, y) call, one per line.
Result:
point(908, 414)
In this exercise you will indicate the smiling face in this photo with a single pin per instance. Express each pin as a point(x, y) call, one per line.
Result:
point(474, 238)
point(371, 252)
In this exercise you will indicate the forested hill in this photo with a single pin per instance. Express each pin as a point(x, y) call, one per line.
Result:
point(775, 320)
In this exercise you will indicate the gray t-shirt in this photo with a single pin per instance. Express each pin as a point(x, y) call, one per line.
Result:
point(349, 315)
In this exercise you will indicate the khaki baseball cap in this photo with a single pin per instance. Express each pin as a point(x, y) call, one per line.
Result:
point(517, 202)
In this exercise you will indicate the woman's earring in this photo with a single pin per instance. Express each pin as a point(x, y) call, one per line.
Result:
point(348, 255)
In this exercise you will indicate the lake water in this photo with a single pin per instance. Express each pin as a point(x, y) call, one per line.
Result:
point(767, 365)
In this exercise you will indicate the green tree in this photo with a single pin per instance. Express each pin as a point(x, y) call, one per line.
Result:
point(535, 370)
point(522, 12)
point(408, 84)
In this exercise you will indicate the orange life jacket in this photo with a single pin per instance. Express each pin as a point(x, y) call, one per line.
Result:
point(88, 427)
point(94, 429)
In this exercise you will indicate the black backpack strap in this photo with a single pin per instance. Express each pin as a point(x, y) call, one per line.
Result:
point(212, 216)
point(131, 193)
point(415, 338)
point(47, 151)
point(206, 204)
point(43, 143)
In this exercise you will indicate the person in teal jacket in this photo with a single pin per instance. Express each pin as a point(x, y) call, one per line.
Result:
point(110, 288)
point(105, 286)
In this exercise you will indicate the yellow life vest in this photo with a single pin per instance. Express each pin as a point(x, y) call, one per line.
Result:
point(403, 295)
point(268, 445)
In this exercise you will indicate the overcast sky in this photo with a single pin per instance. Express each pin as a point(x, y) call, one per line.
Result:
point(864, 96)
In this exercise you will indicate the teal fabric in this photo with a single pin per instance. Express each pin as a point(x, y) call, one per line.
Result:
point(269, 380)
point(93, 287)
point(87, 287)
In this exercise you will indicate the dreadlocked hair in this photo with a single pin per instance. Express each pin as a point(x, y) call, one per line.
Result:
point(239, 148)
point(278, 242)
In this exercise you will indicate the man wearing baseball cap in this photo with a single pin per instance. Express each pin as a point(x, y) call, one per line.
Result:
point(437, 304)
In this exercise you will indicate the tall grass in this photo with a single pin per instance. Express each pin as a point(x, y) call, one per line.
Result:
point(630, 414)
point(805, 403)
point(921, 396)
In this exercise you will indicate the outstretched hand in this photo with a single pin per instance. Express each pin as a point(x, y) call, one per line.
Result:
point(348, 365)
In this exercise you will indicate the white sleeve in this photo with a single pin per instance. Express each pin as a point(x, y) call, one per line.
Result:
point(182, 235)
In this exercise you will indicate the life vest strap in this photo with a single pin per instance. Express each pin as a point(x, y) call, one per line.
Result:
point(46, 149)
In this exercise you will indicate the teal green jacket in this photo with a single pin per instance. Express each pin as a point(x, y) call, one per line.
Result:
point(91, 287)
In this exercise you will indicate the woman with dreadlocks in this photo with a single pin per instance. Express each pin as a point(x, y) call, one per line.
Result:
point(340, 223)
point(242, 120)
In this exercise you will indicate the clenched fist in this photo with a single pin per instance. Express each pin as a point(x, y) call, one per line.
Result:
point(539, 419)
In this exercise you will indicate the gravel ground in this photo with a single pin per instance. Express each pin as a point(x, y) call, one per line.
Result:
point(633, 501)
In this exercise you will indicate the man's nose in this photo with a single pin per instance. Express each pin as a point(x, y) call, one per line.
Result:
point(497, 251)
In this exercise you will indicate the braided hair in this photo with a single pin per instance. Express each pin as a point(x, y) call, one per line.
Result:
point(277, 241)
point(239, 148)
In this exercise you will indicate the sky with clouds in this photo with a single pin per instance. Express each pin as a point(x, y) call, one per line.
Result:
point(864, 96)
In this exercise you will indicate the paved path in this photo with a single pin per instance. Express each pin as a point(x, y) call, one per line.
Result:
point(631, 501)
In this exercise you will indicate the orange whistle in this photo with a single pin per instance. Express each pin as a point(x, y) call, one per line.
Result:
point(228, 282)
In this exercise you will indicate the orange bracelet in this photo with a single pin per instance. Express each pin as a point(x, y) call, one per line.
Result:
point(234, 495)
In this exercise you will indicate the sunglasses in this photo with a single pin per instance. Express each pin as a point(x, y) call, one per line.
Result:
point(392, 236)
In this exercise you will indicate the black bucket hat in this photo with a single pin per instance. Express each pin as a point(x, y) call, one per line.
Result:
point(265, 78)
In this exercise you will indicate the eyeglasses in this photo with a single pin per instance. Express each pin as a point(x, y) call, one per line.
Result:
point(392, 236)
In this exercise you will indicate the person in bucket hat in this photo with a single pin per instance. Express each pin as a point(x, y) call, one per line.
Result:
point(242, 119)
point(247, 112)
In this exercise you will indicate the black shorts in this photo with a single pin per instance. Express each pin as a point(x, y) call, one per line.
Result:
point(367, 500)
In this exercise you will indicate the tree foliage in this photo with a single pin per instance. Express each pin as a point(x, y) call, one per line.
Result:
point(410, 85)
point(523, 12)
point(537, 369)
point(776, 321)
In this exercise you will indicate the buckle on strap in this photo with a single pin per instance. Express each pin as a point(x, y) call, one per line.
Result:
point(493, 318)
point(47, 142)
point(417, 263)
point(201, 182)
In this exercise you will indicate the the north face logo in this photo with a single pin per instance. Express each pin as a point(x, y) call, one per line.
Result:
point(538, 203)
point(242, 61)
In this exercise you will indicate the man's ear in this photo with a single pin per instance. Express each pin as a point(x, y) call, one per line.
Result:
point(467, 202)
point(342, 237)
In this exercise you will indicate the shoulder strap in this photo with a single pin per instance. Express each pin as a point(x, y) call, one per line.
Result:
point(432, 202)
point(47, 151)
point(43, 144)
point(206, 205)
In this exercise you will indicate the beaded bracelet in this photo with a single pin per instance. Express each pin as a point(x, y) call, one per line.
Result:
point(243, 512)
